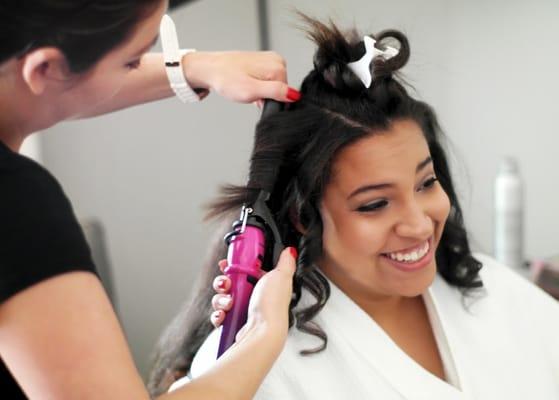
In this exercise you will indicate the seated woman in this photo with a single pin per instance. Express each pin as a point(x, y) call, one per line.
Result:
point(389, 302)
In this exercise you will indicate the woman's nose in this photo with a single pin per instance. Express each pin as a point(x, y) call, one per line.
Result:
point(414, 223)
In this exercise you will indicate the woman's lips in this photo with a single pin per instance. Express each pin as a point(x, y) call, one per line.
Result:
point(412, 259)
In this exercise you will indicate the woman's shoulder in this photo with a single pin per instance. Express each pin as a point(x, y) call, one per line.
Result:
point(514, 307)
point(504, 283)
point(24, 181)
point(40, 234)
point(495, 274)
point(273, 386)
point(206, 355)
point(32, 199)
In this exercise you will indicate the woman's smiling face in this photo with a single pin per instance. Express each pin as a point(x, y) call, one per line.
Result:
point(383, 214)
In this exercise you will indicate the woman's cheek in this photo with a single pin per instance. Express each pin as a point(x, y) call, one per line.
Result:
point(369, 234)
point(441, 206)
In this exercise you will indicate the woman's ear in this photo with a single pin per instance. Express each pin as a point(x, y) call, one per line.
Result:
point(44, 66)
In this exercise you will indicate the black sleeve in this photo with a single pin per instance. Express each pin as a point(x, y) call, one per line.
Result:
point(39, 234)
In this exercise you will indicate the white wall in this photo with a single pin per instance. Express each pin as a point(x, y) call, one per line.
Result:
point(488, 68)
point(502, 100)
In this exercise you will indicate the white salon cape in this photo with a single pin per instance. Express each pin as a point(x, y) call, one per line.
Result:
point(502, 344)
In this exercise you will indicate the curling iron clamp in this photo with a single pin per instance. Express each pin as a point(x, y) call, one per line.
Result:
point(253, 248)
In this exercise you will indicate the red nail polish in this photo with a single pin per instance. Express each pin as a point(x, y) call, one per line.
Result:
point(293, 252)
point(293, 94)
point(221, 284)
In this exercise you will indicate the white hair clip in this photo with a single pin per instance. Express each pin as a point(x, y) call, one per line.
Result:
point(362, 67)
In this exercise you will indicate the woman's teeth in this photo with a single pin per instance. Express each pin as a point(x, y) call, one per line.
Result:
point(412, 256)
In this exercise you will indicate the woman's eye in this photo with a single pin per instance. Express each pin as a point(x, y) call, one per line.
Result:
point(428, 183)
point(375, 206)
point(133, 65)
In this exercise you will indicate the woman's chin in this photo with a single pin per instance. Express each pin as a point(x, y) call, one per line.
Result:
point(419, 283)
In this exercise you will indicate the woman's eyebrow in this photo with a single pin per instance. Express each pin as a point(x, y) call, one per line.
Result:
point(367, 188)
point(423, 164)
point(379, 186)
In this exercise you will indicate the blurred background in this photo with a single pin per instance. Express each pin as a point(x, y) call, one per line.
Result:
point(138, 178)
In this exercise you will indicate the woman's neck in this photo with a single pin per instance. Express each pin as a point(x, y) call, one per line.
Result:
point(20, 114)
point(10, 134)
point(379, 306)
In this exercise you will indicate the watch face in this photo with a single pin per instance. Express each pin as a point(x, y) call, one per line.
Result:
point(177, 3)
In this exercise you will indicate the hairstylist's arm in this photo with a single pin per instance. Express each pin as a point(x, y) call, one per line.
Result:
point(61, 340)
point(238, 76)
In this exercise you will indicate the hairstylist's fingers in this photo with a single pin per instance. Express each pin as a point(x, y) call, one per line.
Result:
point(222, 265)
point(267, 70)
point(269, 304)
point(266, 65)
point(222, 284)
point(222, 302)
point(276, 90)
point(240, 76)
point(217, 318)
point(275, 73)
point(272, 293)
point(288, 261)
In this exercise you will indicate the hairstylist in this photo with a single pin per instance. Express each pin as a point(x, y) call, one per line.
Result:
point(59, 336)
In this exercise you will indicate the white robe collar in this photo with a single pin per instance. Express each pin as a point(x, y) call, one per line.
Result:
point(377, 350)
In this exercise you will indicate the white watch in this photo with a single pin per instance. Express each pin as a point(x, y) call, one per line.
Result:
point(173, 61)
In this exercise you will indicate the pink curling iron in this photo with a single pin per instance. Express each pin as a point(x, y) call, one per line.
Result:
point(254, 246)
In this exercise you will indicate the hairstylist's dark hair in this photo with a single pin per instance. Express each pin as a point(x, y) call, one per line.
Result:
point(84, 30)
point(301, 145)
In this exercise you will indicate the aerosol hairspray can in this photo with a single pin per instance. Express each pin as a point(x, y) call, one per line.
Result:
point(509, 214)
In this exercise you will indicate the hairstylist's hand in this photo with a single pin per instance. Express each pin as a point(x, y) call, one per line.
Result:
point(244, 77)
point(269, 304)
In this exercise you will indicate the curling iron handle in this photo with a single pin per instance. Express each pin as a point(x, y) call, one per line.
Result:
point(242, 286)
point(244, 259)
point(271, 107)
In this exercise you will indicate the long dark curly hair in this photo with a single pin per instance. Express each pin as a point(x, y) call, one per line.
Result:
point(297, 147)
